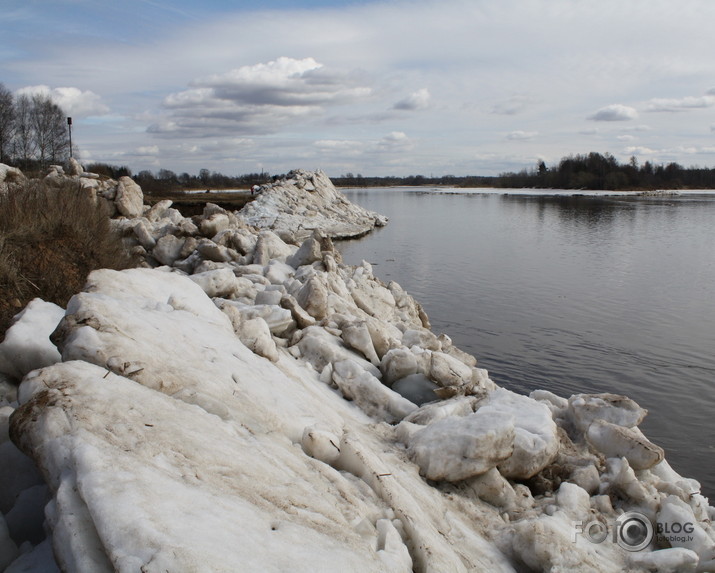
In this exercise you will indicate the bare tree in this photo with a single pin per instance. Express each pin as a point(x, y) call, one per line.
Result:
point(50, 130)
point(7, 122)
point(24, 140)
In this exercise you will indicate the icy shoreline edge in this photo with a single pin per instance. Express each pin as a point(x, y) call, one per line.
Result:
point(246, 401)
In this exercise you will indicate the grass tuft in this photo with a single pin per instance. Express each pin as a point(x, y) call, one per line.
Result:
point(51, 238)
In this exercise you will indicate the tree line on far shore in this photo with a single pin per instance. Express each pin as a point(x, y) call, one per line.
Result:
point(592, 171)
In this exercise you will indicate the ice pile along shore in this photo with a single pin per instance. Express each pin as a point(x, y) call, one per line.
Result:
point(247, 402)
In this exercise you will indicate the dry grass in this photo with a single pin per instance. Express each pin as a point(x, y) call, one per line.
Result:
point(50, 240)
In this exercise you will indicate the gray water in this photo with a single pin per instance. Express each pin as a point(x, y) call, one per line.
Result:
point(568, 293)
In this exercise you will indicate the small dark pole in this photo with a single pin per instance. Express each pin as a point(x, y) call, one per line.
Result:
point(69, 126)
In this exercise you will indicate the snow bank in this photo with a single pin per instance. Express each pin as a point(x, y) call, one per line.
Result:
point(245, 402)
point(306, 201)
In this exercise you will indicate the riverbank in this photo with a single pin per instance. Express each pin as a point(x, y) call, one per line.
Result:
point(190, 204)
point(247, 401)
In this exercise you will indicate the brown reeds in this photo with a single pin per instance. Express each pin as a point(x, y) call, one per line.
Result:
point(51, 238)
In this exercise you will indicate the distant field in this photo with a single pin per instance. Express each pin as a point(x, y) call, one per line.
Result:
point(192, 203)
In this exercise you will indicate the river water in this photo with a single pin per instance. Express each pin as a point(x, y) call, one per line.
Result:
point(590, 293)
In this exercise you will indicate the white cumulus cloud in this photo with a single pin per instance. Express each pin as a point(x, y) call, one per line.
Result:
point(415, 101)
point(259, 98)
point(394, 141)
point(615, 112)
point(73, 101)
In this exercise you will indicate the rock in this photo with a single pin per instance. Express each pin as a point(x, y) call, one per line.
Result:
point(454, 449)
point(630, 443)
point(129, 198)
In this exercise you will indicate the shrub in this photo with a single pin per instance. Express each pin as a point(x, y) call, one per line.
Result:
point(50, 240)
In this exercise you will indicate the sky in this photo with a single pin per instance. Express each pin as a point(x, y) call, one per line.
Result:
point(381, 87)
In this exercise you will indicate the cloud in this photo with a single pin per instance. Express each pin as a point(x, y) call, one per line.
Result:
point(395, 141)
point(615, 112)
point(415, 101)
point(512, 106)
point(522, 135)
point(73, 101)
point(259, 98)
point(672, 152)
point(681, 104)
point(640, 150)
point(148, 150)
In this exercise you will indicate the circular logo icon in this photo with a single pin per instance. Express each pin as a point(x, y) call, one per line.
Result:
point(634, 531)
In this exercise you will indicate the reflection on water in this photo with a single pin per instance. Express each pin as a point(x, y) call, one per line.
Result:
point(571, 294)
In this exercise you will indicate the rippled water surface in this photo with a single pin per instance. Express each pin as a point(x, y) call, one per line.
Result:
point(568, 293)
